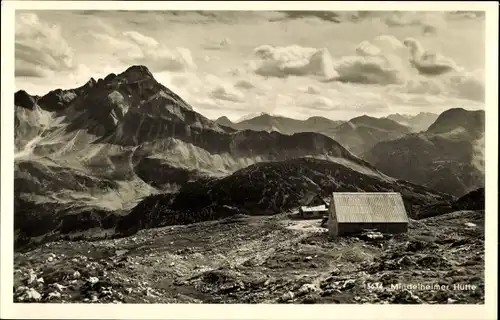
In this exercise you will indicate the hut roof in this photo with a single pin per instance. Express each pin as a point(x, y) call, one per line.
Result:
point(376, 207)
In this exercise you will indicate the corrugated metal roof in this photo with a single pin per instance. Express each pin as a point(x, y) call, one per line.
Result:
point(369, 207)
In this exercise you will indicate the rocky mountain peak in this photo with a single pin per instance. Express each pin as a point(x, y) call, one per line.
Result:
point(362, 118)
point(91, 83)
point(137, 70)
point(24, 99)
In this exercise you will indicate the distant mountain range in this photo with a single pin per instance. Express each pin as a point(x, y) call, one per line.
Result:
point(417, 123)
point(456, 130)
point(125, 152)
point(357, 135)
point(360, 134)
point(267, 122)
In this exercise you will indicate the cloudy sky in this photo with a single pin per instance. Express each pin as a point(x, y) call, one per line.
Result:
point(239, 63)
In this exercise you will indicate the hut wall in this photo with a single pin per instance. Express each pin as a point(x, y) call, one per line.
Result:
point(332, 223)
point(386, 227)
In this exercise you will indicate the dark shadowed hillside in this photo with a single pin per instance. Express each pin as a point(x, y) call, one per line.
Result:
point(472, 201)
point(459, 119)
point(265, 188)
point(418, 122)
point(448, 157)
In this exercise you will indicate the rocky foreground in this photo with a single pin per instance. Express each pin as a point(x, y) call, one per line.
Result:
point(275, 259)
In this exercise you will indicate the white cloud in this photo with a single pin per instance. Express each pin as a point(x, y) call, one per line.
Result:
point(132, 47)
point(245, 84)
point(310, 89)
point(429, 21)
point(141, 39)
point(227, 93)
point(294, 60)
point(40, 48)
point(291, 85)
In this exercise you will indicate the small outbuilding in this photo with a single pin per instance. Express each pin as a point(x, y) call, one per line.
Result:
point(315, 207)
point(353, 212)
point(316, 212)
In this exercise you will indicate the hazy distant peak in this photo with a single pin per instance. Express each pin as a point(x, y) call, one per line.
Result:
point(426, 113)
point(362, 118)
point(365, 119)
point(223, 118)
point(255, 115)
point(398, 117)
point(417, 122)
point(225, 121)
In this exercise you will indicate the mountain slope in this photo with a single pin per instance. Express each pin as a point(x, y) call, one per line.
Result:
point(362, 133)
point(133, 110)
point(472, 201)
point(418, 122)
point(224, 121)
point(109, 143)
point(448, 157)
point(449, 121)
